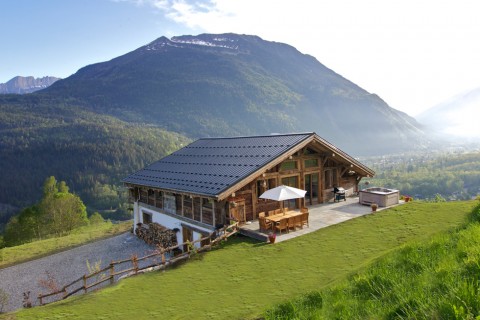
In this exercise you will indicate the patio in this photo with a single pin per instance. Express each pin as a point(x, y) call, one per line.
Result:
point(320, 216)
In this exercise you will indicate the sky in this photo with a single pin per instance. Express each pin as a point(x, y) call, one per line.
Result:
point(413, 53)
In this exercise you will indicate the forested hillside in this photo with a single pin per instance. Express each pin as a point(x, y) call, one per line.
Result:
point(91, 152)
point(452, 176)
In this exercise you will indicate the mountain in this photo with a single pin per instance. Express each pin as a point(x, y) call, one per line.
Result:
point(229, 84)
point(21, 85)
point(456, 118)
point(112, 118)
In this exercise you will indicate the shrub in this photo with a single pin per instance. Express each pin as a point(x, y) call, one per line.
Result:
point(96, 218)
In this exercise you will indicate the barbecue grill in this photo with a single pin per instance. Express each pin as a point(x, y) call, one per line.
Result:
point(338, 194)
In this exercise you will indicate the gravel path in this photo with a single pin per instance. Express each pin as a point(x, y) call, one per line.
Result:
point(67, 266)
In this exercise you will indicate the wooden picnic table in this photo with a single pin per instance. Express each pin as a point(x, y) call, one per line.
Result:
point(289, 214)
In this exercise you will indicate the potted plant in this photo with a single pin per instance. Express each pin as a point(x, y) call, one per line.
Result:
point(271, 237)
point(374, 207)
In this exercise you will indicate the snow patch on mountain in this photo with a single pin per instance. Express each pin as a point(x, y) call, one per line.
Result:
point(182, 42)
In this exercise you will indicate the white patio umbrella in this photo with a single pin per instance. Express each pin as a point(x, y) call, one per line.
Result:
point(282, 192)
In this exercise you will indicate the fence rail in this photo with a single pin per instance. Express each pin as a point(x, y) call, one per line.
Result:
point(70, 289)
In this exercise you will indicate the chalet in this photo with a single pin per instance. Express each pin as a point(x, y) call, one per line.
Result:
point(214, 180)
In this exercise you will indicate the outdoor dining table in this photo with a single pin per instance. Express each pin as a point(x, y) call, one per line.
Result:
point(289, 214)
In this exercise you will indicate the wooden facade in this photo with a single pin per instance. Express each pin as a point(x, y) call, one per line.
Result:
point(309, 169)
point(308, 163)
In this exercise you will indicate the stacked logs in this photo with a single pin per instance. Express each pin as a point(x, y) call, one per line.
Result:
point(157, 235)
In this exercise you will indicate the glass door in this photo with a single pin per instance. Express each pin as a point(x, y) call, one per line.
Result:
point(291, 182)
point(311, 186)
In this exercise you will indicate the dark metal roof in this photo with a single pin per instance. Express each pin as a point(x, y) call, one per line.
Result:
point(211, 165)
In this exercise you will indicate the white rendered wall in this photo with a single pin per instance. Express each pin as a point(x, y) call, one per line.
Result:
point(171, 223)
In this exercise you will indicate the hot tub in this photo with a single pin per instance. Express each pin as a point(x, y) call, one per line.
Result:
point(384, 197)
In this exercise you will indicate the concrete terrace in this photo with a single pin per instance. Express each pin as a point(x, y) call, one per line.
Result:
point(320, 216)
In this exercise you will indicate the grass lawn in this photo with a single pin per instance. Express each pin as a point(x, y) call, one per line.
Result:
point(243, 278)
point(37, 249)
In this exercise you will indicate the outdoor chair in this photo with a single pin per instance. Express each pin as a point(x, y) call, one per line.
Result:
point(281, 225)
point(303, 210)
point(264, 224)
point(298, 221)
point(291, 223)
point(261, 215)
point(271, 213)
point(305, 219)
point(279, 211)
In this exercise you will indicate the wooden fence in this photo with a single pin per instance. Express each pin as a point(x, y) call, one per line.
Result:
point(111, 272)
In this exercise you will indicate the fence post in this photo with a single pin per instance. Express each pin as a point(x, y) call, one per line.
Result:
point(135, 264)
point(40, 298)
point(163, 257)
point(85, 283)
point(112, 273)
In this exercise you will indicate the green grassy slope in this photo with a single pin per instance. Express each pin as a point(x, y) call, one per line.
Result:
point(244, 277)
point(37, 249)
point(434, 279)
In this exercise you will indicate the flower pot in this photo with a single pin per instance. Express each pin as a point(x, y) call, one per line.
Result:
point(374, 207)
point(272, 239)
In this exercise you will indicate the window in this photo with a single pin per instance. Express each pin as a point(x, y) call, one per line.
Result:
point(207, 204)
point(143, 195)
point(151, 197)
point(178, 204)
point(264, 185)
point(311, 186)
point(310, 163)
point(147, 218)
point(207, 214)
point(308, 151)
point(291, 182)
point(187, 207)
point(288, 165)
point(261, 187)
point(328, 179)
point(196, 209)
point(159, 199)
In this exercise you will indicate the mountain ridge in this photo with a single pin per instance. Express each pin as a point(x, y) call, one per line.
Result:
point(245, 85)
point(22, 85)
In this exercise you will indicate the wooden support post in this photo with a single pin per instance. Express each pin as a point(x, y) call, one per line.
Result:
point(40, 299)
point(163, 258)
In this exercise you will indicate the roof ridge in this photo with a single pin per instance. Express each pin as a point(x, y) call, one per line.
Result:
point(261, 136)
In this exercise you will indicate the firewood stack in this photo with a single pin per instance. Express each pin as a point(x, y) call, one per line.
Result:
point(157, 235)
